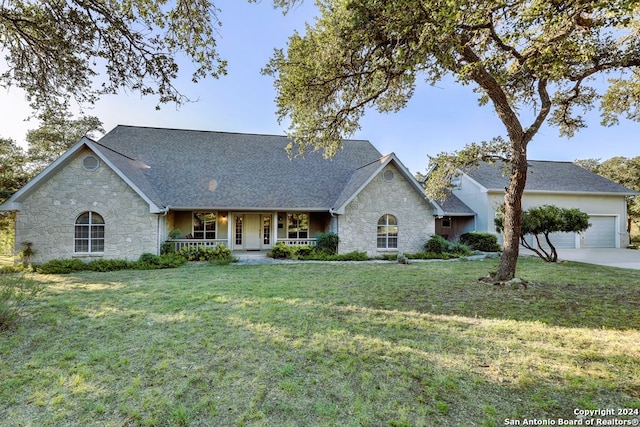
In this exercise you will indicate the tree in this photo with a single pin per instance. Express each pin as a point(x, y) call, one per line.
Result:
point(13, 168)
point(544, 220)
point(625, 171)
point(533, 60)
point(56, 135)
point(55, 50)
point(13, 175)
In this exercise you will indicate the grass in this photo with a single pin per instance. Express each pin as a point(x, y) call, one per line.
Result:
point(323, 344)
point(6, 261)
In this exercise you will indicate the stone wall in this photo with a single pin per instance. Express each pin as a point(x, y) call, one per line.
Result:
point(49, 213)
point(358, 226)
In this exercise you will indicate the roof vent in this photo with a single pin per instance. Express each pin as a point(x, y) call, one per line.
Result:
point(90, 163)
point(388, 175)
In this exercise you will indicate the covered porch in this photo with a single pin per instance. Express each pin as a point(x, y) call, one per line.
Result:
point(244, 231)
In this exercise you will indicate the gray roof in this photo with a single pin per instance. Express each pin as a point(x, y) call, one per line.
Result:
point(204, 169)
point(561, 177)
point(453, 206)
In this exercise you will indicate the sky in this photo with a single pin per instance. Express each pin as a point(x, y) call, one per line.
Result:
point(438, 118)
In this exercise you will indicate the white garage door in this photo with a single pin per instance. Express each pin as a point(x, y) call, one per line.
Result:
point(602, 233)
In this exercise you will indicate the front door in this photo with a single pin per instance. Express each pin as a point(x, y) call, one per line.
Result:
point(252, 231)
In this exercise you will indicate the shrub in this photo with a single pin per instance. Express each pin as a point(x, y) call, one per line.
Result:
point(302, 251)
point(109, 265)
point(150, 261)
point(327, 243)
point(485, 242)
point(281, 251)
point(221, 255)
point(350, 256)
point(436, 244)
point(459, 248)
point(167, 247)
point(61, 266)
point(16, 291)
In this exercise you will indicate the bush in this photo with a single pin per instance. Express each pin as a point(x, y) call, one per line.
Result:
point(350, 256)
point(150, 261)
point(281, 251)
point(220, 254)
point(16, 291)
point(436, 244)
point(327, 243)
point(61, 266)
point(109, 265)
point(485, 242)
point(460, 248)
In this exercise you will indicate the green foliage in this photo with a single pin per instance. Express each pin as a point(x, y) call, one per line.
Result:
point(625, 171)
point(544, 220)
point(220, 254)
point(16, 291)
point(14, 172)
point(436, 244)
point(281, 251)
point(61, 266)
point(56, 135)
point(535, 62)
point(327, 242)
point(27, 254)
point(147, 261)
point(142, 40)
point(485, 242)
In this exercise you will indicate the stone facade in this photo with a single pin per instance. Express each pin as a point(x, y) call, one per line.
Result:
point(357, 227)
point(48, 214)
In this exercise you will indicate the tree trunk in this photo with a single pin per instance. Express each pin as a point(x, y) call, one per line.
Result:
point(513, 216)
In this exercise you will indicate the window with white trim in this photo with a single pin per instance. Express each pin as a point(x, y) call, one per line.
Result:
point(204, 225)
point(298, 225)
point(387, 236)
point(89, 233)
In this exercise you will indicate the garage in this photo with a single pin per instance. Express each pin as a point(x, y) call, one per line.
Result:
point(559, 240)
point(602, 233)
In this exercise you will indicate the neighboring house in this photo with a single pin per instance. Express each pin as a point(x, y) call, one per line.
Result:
point(563, 184)
point(121, 196)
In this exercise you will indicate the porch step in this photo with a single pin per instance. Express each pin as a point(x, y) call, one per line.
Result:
point(249, 255)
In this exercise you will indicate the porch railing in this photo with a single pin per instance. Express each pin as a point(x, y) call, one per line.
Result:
point(178, 244)
point(194, 243)
point(298, 242)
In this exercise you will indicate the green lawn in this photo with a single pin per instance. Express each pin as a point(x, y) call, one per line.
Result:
point(323, 344)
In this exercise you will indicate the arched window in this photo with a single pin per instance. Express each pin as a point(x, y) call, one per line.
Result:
point(89, 233)
point(387, 232)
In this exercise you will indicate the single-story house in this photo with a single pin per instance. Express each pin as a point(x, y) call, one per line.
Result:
point(138, 187)
point(563, 184)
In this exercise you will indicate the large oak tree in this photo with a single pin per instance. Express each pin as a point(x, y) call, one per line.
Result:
point(534, 61)
point(64, 50)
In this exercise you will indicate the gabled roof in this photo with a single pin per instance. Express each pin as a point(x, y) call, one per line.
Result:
point(125, 168)
point(363, 176)
point(186, 169)
point(548, 176)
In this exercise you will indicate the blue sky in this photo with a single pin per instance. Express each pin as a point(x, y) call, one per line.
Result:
point(441, 118)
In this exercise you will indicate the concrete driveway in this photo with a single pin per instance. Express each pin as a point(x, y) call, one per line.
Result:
point(623, 258)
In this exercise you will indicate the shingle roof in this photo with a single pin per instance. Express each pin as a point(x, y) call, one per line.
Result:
point(548, 176)
point(453, 206)
point(203, 169)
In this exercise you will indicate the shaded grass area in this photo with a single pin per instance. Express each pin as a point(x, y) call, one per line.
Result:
point(6, 261)
point(323, 344)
